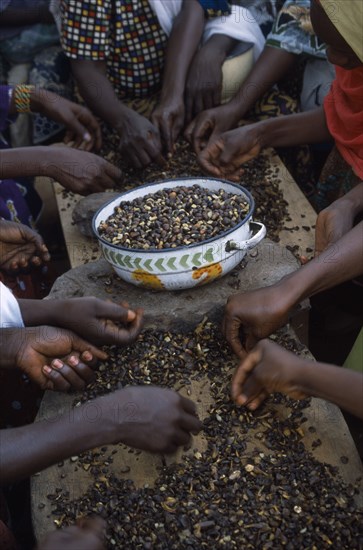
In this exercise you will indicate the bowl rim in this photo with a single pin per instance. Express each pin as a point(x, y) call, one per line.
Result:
point(183, 247)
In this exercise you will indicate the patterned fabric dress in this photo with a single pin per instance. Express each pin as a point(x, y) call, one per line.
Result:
point(126, 34)
point(13, 204)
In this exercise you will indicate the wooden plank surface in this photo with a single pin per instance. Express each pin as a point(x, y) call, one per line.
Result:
point(324, 418)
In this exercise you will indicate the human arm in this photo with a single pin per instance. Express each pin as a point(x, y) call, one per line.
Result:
point(225, 155)
point(89, 317)
point(139, 139)
point(128, 416)
point(82, 127)
point(204, 82)
point(15, 17)
point(19, 246)
point(268, 368)
point(87, 534)
point(338, 218)
point(258, 313)
point(272, 64)
point(185, 36)
point(79, 171)
point(36, 352)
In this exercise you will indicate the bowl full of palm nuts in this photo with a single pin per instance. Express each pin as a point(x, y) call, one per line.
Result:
point(179, 233)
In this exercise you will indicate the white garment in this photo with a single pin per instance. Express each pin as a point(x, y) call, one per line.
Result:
point(10, 314)
point(240, 24)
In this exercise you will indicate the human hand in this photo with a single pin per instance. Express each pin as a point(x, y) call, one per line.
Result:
point(333, 223)
point(140, 141)
point(82, 127)
point(204, 84)
point(208, 125)
point(153, 419)
point(94, 320)
point(223, 157)
point(20, 246)
point(168, 118)
point(80, 171)
point(267, 369)
point(88, 534)
point(254, 315)
point(36, 351)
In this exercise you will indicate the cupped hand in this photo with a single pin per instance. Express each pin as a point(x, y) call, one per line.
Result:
point(224, 156)
point(208, 125)
point(168, 118)
point(254, 315)
point(152, 419)
point(88, 534)
point(99, 321)
point(82, 127)
point(204, 84)
point(267, 369)
point(140, 142)
point(20, 246)
point(38, 351)
point(80, 171)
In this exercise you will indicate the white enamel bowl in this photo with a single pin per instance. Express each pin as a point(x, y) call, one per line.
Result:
point(185, 266)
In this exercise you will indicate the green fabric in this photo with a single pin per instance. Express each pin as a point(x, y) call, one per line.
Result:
point(354, 361)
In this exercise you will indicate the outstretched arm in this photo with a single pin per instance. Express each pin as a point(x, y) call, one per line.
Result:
point(79, 171)
point(129, 416)
point(268, 368)
point(98, 321)
point(260, 312)
point(225, 155)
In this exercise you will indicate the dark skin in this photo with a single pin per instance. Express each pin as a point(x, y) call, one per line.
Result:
point(95, 320)
point(35, 351)
point(224, 155)
point(12, 17)
point(87, 534)
point(204, 83)
point(128, 416)
point(60, 357)
point(80, 170)
point(269, 368)
point(260, 312)
point(143, 141)
point(269, 68)
point(20, 247)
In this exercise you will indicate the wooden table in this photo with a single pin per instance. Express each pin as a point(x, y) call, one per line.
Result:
point(326, 418)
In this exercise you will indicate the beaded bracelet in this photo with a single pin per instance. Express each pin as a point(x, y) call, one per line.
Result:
point(22, 94)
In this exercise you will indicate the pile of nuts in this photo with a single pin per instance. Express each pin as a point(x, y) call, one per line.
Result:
point(254, 486)
point(173, 217)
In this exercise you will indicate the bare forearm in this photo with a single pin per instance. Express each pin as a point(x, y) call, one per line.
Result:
point(38, 312)
point(335, 384)
point(353, 200)
point(219, 46)
point(98, 92)
point(270, 67)
point(42, 444)
point(25, 162)
point(341, 262)
point(297, 129)
point(30, 16)
point(182, 45)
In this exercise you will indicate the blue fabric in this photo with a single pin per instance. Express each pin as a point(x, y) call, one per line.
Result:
point(215, 7)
